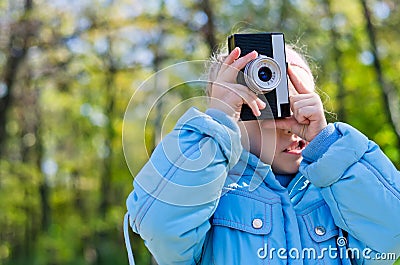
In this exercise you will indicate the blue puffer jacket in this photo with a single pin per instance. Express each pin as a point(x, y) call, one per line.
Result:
point(203, 199)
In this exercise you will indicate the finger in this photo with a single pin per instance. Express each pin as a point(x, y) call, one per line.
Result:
point(241, 62)
point(294, 105)
point(298, 82)
point(261, 104)
point(288, 124)
point(247, 97)
point(237, 65)
point(235, 53)
point(299, 97)
point(254, 107)
point(253, 102)
point(314, 103)
point(305, 114)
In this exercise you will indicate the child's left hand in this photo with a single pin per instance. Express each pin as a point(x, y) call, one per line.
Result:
point(308, 118)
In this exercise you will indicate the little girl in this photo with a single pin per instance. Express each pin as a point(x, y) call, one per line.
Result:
point(297, 190)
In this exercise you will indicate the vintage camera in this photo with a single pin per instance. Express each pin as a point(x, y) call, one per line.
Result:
point(266, 75)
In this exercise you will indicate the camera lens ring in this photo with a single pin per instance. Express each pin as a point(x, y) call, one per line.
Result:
point(252, 74)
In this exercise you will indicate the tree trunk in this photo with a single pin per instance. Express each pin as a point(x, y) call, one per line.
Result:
point(44, 189)
point(283, 15)
point(18, 44)
point(159, 57)
point(105, 181)
point(338, 77)
point(209, 28)
point(390, 96)
point(31, 149)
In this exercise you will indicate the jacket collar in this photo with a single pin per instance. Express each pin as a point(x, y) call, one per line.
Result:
point(255, 172)
point(252, 171)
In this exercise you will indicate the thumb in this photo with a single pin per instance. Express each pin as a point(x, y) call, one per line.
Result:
point(301, 82)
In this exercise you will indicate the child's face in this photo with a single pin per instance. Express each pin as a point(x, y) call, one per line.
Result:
point(277, 147)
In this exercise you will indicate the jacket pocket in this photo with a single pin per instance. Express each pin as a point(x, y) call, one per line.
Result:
point(241, 229)
point(245, 212)
point(319, 235)
point(319, 223)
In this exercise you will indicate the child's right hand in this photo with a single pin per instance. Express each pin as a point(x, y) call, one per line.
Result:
point(308, 118)
point(229, 96)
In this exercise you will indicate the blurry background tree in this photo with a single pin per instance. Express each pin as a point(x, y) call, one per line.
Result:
point(68, 69)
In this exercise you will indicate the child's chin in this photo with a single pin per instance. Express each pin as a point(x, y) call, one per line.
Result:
point(287, 167)
point(292, 169)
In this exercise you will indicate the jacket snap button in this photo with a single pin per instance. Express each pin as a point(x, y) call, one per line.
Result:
point(320, 230)
point(257, 223)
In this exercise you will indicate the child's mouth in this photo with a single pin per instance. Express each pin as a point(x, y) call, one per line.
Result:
point(296, 148)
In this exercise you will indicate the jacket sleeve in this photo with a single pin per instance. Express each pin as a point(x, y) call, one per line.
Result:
point(178, 189)
point(361, 187)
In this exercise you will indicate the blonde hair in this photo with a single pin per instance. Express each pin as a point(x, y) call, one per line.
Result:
point(212, 68)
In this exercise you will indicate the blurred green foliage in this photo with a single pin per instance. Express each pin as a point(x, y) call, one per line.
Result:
point(71, 67)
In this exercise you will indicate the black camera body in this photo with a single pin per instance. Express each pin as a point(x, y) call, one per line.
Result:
point(266, 75)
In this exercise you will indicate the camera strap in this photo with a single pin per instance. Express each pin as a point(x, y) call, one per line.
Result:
point(127, 240)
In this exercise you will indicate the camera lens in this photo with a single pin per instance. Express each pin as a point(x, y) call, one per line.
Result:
point(265, 74)
point(262, 75)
